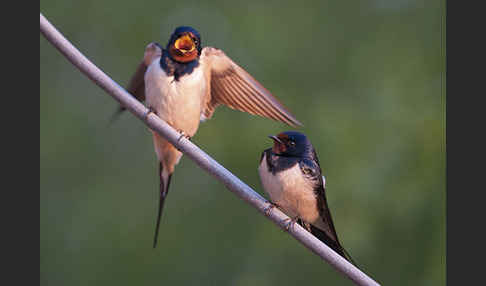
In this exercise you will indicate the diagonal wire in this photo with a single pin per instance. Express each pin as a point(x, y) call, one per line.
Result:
point(202, 159)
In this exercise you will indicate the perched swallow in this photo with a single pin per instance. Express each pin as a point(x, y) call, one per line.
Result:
point(184, 83)
point(291, 176)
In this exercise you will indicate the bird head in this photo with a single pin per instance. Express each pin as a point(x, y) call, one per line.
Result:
point(184, 44)
point(291, 143)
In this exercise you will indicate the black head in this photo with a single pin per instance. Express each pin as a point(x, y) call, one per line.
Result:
point(184, 44)
point(292, 143)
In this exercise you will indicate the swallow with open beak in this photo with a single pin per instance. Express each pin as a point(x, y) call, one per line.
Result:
point(291, 176)
point(184, 83)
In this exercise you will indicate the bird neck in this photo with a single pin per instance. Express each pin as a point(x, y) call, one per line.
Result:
point(175, 68)
point(279, 162)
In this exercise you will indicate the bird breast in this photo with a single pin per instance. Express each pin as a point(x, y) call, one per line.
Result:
point(291, 191)
point(180, 102)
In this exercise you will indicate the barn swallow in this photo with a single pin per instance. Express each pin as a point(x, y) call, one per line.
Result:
point(184, 83)
point(291, 176)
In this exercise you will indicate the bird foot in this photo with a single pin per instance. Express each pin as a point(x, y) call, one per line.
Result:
point(149, 110)
point(306, 225)
point(183, 135)
point(290, 223)
point(268, 209)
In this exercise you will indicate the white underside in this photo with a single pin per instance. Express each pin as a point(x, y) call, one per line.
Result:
point(290, 191)
point(179, 103)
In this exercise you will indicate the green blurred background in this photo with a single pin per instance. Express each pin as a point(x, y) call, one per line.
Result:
point(365, 78)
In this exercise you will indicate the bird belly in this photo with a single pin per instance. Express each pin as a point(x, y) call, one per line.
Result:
point(179, 103)
point(291, 191)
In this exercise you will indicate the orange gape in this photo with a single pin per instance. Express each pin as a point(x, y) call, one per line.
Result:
point(184, 49)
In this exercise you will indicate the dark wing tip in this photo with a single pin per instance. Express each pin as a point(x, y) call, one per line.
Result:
point(295, 122)
point(284, 114)
point(116, 114)
point(233, 86)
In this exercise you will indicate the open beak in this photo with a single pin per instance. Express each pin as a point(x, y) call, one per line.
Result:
point(185, 44)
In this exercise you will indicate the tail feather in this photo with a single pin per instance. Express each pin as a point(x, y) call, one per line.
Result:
point(164, 190)
point(117, 114)
point(334, 244)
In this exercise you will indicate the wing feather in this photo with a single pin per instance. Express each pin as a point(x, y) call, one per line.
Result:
point(241, 95)
point(136, 86)
point(262, 102)
point(232, 86)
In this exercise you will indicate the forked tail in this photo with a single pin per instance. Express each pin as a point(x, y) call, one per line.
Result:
point(164, 190)
point(334, 244)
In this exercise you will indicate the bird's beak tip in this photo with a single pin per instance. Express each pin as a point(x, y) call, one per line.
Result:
point(274, 138)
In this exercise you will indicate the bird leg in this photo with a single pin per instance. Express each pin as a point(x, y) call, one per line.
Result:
point(183, 135)
point(268, 209)
point(150, 110)
point(306, 225)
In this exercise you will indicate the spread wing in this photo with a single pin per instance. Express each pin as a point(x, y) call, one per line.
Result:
point(232, 86)
point(136, 86)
